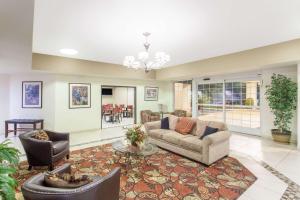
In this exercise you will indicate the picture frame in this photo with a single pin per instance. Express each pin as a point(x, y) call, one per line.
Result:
point(151, 93)
point(79, 95)
point(32, 94)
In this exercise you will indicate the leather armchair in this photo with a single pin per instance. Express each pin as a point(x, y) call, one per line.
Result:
point(101, 188)
point(40, 152)
point(149, 116)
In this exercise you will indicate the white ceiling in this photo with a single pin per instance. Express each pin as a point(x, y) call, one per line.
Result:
point(189, 30)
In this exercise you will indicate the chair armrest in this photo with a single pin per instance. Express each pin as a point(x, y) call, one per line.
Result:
point(56, 136)
point(152, 125)
point(216, 137)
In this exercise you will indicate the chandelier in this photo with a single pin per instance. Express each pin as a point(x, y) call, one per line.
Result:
point(143, 60)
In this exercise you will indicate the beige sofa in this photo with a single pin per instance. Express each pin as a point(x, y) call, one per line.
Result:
point(208, 150)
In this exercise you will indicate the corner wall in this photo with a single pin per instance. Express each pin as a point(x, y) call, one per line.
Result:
point(90, 118)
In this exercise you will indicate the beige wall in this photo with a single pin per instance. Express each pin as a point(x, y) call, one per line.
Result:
point(67, 66)
point(255, 59)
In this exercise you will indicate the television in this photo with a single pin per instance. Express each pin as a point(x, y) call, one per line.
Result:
point(107, 91)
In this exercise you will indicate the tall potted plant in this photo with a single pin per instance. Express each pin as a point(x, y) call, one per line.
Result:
point(282, 98)
point(9, 158)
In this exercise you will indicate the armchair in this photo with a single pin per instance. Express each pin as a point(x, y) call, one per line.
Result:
point(149, 116)
point(101, 188)
point(41, 152)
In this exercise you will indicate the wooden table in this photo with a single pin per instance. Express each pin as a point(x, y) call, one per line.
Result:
point(15, 122)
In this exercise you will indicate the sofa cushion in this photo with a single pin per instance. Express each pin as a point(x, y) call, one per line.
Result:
point(208, 131)
point(40, 135)
point(184, 125)
point(59, 146)
point(158, 133)
point(174, 137)
point(172, 121)
point(192, 143)
point(201, 126)
point(164, 123)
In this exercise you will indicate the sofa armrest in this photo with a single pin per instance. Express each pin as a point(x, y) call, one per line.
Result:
point(152, 125)
point(216, 137)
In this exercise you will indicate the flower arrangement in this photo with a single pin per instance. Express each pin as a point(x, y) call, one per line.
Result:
point(135, 135)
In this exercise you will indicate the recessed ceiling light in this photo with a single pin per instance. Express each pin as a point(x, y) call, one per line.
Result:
point(68, 51)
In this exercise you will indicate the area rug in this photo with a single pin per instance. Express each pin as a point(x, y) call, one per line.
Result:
point(163, 175)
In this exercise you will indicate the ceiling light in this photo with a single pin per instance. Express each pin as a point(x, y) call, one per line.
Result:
point(68, 51)
point(144, 61)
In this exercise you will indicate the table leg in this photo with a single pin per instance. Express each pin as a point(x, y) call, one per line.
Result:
point(42, 125)
point(6, 129)
point(34, 126)
point(15, 129)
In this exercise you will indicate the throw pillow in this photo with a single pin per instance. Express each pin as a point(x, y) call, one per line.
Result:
point(185, 125)
point(164, 123)
point(172, 122)
point(41, 135)
point(208, 131)
point(65, 180)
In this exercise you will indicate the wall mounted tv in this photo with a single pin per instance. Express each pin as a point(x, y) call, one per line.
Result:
point(107, 91)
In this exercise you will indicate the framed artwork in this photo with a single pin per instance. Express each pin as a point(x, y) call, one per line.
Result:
point(151, 93)
point(79, 95)
point(32, 94)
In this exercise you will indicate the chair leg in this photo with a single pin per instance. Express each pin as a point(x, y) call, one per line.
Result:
point(50, 167)
point(68, 156)
point(29, 167)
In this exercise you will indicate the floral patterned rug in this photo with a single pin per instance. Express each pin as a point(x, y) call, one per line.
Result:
point(163, 175)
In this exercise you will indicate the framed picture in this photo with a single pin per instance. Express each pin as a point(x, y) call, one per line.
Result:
point(151, 93)
point(79, 95)
point(32, 94)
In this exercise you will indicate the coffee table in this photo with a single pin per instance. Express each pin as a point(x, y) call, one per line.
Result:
point(125, 150)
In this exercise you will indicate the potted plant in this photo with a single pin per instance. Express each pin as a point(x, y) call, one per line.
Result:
point(9, 158)
point(135, 136)
point(282, 97)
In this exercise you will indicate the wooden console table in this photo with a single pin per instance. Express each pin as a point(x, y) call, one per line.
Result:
point(15, 122)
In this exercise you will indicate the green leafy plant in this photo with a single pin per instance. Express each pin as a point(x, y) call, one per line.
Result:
point(282, 97)
point(135, 135)
point(9, 158)
point(249, 102)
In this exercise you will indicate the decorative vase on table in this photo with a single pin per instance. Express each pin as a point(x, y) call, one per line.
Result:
point(135, 136)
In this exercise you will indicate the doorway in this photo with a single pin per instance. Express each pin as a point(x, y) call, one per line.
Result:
point(183, 96)
point(118, 106)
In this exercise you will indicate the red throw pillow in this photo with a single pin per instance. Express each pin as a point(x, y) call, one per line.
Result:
point(185, 125)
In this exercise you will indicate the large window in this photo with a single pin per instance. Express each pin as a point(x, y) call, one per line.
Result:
point(210, 101)
point(234, 102)
point(242, 104)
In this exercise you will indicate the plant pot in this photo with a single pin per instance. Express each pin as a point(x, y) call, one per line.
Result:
point(283, 137)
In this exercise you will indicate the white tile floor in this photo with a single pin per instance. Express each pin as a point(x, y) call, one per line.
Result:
point(249, 150)
point(125, 121)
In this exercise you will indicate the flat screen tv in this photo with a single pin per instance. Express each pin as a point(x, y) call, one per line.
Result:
point(107, 91)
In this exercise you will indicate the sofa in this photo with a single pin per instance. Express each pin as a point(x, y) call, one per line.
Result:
point(101, 188)
point(207, 151)
point(41, 152)
point(149, 116)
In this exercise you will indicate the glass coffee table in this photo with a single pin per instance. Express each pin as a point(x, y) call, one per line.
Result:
point(132, 155)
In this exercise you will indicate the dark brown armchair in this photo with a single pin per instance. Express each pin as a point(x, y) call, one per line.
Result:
point(149, 116)
point(101, 188)
point(41, 152)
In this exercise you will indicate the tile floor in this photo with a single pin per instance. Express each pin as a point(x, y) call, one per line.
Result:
point(249, 150)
